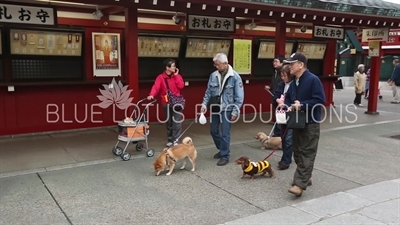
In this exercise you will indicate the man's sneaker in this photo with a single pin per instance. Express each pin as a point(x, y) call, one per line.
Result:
point(217, 156)
point(222, 162)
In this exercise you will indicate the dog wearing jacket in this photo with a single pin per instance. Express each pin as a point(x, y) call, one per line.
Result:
point(253, 168)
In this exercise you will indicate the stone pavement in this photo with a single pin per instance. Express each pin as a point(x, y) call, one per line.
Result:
point(73, 178)
point(376, 204)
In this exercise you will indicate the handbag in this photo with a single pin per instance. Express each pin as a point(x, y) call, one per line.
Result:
point(296, 119)
point(176, 101)
point(214, 104)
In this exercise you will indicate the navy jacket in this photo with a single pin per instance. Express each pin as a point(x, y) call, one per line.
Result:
point(310, 94)
point(396, 74)
point(278, 92)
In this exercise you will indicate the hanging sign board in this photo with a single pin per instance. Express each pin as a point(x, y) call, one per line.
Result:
point(209, 23)
point(373, 49)
point(242, 56)
point(336, 33)
point(375, 34)
point(32, 15)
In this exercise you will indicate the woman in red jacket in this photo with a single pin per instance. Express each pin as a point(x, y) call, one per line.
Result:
point(175, 83)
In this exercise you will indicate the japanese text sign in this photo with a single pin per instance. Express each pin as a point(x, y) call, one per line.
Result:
point(210, 23)
point(328, 32)
point(378, 34)
point(242, 56)
point(27, 15)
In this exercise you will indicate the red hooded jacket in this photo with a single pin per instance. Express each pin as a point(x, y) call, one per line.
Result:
point(175, 83)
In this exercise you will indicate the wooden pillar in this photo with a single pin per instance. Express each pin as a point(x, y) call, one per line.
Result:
point(280, 47)
point(374, 83)
point(330, 56)
point(329, 71)
point(131, 51)
point(280, 37)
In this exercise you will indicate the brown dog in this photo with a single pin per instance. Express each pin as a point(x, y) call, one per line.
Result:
point(268, 142)
point(174, 154)
point(253, 168)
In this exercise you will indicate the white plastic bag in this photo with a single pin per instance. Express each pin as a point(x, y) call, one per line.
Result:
point(202, 119)
point(280, 117)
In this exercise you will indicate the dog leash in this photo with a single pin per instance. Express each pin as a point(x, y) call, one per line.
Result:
point(283, 137)
point(187, 128)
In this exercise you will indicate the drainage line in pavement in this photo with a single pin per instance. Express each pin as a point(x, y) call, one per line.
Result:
point(62, 211)
point(263, 210)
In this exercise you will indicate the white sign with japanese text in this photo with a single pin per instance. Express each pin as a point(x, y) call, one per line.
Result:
point(328, 32)
point(375, 34)
point(27, 14)
point(210, 23)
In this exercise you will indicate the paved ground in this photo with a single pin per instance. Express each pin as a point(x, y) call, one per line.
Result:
point(73, 178)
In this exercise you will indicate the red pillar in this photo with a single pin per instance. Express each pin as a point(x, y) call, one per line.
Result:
point(280, 37)
point(280, 46)
point(329, 70)
point(374, 83)
point(330, 56)
point(131, 51)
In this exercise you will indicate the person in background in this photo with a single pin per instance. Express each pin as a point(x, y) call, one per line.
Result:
point(359, 84)
point(307, 94)
point(287, 138)
point(395, 81)
point(231, 101)
point(367, 83)
point(176, 84)
point(276, 78)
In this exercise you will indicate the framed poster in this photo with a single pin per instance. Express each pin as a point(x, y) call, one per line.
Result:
point(267, 50)
point(206, 48)
point(152, 46)
point(312, 50)
point(106, 54)
point(44, 43)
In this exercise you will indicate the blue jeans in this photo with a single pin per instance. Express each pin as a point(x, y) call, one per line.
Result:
point(287, 150)
point(221, 139)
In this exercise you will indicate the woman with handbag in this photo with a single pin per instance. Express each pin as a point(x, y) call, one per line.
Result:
point(286, 134)
point(169, 85)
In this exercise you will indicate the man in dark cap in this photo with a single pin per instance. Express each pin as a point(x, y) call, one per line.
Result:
point(305, 93)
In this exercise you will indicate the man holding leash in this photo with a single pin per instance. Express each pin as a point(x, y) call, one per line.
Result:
point(275, 79)
point(305, 93)
point(224, 97)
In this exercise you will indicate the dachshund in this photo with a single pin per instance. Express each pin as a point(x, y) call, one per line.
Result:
point(253, 168)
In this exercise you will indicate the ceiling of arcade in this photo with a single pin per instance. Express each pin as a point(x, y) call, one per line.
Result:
point(257, 14)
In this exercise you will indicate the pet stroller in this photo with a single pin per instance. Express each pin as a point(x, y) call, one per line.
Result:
point(134, 131)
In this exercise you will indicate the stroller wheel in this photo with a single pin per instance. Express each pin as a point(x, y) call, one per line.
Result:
point(126, 156)
point(150, 153)
point(139, 147)
point(117, 151)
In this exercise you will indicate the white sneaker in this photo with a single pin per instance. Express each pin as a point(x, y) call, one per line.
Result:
point(169, 144)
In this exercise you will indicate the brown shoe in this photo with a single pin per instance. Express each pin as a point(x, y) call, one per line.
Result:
point(282, 167)
point(296, 190)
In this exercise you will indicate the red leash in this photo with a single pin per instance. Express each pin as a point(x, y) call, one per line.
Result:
point(282, 138)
